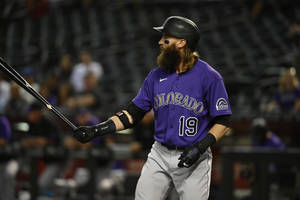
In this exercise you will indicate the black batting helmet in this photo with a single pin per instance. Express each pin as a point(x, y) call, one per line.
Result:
point(181, 27)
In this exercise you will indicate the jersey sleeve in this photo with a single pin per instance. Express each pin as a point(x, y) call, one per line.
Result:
point(218, 99)
point(144, 98)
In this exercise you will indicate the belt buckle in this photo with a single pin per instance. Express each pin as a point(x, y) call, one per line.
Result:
point(176, 148)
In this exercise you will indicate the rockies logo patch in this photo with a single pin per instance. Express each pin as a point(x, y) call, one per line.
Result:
point(222, 104)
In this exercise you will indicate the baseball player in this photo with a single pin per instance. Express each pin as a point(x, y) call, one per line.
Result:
point(191, 111)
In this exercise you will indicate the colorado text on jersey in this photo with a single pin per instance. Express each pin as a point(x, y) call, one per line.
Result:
point(176, 98)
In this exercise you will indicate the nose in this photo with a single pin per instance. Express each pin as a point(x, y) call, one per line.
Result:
point(161, 41)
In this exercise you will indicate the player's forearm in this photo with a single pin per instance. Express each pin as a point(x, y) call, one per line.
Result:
point(214, 135)
point(122, 120)
point(128, 117)
point(219, 130)
point(119, 125)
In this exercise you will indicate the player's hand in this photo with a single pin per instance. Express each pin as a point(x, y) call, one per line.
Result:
point(193, 153)
point(85, 134)
point(189, 157)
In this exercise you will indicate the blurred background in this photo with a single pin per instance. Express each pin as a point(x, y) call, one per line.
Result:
point(89, 58)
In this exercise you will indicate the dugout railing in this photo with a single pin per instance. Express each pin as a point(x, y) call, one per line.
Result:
point(261, 158)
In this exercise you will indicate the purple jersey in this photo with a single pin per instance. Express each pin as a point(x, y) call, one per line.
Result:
point(274, 142)
point(5, 129)
point(184, 104)
point(287, 100)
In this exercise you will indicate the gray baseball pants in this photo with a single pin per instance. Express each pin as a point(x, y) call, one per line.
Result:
point(160, 174)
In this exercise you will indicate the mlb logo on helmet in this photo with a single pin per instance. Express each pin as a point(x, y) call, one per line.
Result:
point(221, 104)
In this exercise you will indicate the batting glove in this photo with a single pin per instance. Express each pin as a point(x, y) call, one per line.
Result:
point(193, 153)
point(189, 157)
point(85, 134)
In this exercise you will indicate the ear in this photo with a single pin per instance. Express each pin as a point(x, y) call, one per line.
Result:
point(181, 43)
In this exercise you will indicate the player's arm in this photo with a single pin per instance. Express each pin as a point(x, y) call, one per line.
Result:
point(128, 117)
point(119, 125)
point(124, 119)
point(220, 127)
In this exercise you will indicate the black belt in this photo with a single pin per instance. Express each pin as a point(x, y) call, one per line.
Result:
point(172, 147)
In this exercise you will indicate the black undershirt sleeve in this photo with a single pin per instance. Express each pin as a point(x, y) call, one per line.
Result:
point(223, 119)
point(135, 112)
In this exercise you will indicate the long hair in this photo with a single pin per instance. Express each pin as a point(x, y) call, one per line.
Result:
point(288, 80)
point(189, 59)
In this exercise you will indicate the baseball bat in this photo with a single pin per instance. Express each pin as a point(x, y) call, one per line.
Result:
point(14, 75)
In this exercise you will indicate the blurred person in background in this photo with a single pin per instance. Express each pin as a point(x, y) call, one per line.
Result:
point(47, 91)
point(42, 132)
point(4, 93)
point(56, 87)
point(29, 75)
point(87, 65)
point(8, 166)
point(5, 129)
point(246, 173)
point(262, 136)
point(16, 108)
point(287, 97)
point(294, 34)
point(60, 80)
point(282, 175)
point(63, 72)
point(76, 166)
point(89, 97)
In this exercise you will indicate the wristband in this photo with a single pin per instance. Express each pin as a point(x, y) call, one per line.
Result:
point(124, 119)
point(206, 142)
